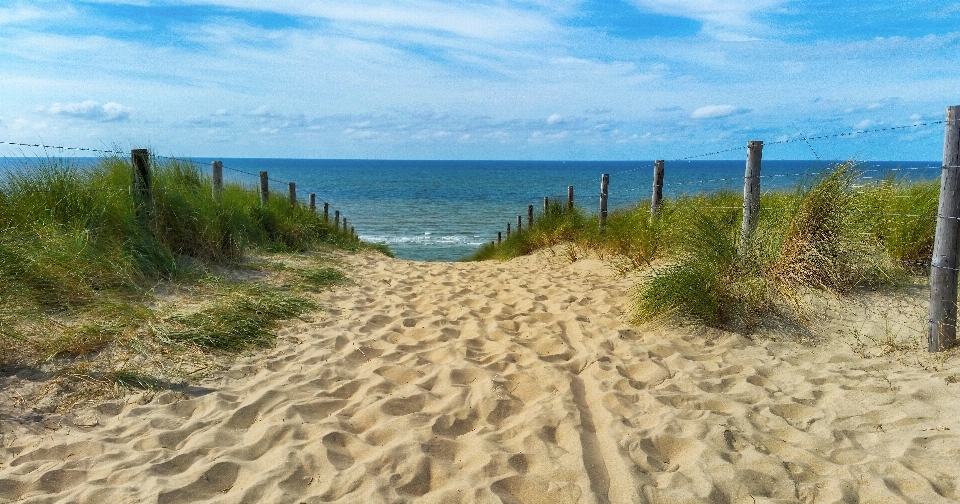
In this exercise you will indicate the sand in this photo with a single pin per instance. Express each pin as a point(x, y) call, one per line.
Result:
point(516, 382)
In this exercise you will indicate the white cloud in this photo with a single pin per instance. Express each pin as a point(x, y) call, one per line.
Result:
point(554, 119)
point(90, 110)
point(864, 124)
point(726, 20)
point(715, 112)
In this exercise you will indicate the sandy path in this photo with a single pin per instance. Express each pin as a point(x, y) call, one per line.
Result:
point(516, 382)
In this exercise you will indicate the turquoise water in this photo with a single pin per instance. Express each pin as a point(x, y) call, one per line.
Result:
point(444, 210)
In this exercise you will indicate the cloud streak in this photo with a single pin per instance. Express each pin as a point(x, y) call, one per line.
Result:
point(90, 110)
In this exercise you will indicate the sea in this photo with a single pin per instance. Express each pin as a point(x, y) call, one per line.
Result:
point(445, 210)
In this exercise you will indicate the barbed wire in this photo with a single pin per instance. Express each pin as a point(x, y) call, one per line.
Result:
point(803, 138)
point(300, 188)
point(85, 149)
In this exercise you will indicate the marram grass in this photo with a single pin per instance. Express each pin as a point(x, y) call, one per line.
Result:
point(833, 233)
point(78, 267)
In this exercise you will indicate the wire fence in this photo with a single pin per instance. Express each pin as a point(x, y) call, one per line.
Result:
point(301, 190)
point(871, 314)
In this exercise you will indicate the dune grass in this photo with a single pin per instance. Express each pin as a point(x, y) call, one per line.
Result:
point(80, 269)
point(833, 233)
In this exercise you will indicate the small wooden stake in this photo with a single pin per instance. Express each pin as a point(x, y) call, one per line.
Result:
point(530, 217)
point(313, 202)
point(336, 220)
point(604, 193)
point(751, 194)
point(216, 170)
point(499, 237)
point(326, 211)
point(546, 205)
point(264, 188)
point(519, 223)
point(508, 230)
point(942, 333)
point(657, 187)
point(570, 197)
point(344, 223)
point(293, 194)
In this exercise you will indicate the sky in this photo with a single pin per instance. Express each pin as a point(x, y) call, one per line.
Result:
point(488, 79)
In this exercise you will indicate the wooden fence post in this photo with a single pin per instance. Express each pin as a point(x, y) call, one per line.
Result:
point(313, 202)
point(508, 230)
point(216, 169)
point(142, 190)
point(499, 237)
point(264, 188)
point(293, 194)
point(336, 220)
point(530, 217)
point(546, 206)
point(345, 224)
point(751, 194)
point(942, 333)
point(519, 223)
point(604, 192)
point(569, 197)
point(657, 187)
point(326, 211)
point(353, 232)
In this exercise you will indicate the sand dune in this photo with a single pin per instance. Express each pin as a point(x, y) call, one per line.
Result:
point(514, 382)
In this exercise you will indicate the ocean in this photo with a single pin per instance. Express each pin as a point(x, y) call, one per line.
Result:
point(445, 210)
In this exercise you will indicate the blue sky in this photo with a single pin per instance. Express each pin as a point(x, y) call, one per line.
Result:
point(435, 79)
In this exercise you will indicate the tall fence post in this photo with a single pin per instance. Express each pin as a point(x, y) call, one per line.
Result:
point(569, 197)
point(326, 211)
point(942, 333)
point(657, 187)
point(264, 188)
point(142, 192)
point(529, 217)
point(499, 237)
point(293, 194)
point(336, 220)
point(519, 223)
point(604, 192)
point(508, 230)
point(546, 206)
point(751, 193)
point(216, 171)
point(345, 224)
point(313, 202)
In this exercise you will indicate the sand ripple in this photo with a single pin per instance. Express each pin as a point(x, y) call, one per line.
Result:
point(517, 383)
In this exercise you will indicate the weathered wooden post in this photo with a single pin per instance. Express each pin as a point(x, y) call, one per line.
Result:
point(264, 188)
point(519, 223)
point(499, 237)
point(336, 220)
point(942, 333)
point(751, 194)
point(353, 232)
point(345, 224)
point(508, 230)
point(569, 197)
point(530, 217)
point(657, 187)
point(313, 202)
point(604, 193)
point(546, 206)
point(142, 190)
point(326, 211)
point(293, 194)
point(216, 171)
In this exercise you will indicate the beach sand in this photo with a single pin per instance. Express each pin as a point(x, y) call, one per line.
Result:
point(516, 382)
